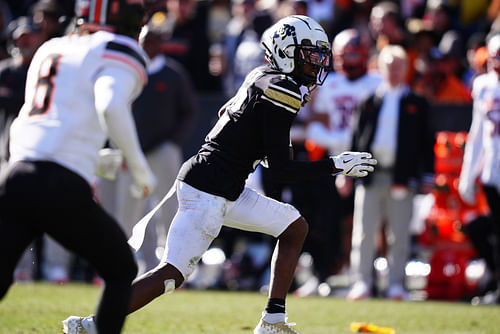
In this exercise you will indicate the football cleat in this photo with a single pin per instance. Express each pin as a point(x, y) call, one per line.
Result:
point(282, 327)
point(79, 325)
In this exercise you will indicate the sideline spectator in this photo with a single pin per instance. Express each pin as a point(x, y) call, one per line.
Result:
point(451, 46)
point(245, 27)
point(476, 57)
point(386, 25)
point(51, 17)
point(5, 19)
point(394, 124)
point(441, 16)
point(188, 41)
point(219, 16)
point(24, 40)
point(421, 40)
point(437, 83)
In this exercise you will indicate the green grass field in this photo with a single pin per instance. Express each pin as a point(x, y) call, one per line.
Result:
point(39, 308)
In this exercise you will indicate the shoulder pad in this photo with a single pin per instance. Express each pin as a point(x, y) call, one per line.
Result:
point(281, 91)
point(125, 53)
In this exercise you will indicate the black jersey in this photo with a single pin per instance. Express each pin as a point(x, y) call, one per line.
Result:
point(254, 127)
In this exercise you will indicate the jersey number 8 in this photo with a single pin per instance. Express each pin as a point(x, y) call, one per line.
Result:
point(45, 85)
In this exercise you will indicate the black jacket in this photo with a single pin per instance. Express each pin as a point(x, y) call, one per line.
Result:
point(415, 146)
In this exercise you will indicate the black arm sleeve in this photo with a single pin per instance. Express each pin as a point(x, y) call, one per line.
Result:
point(276, 123)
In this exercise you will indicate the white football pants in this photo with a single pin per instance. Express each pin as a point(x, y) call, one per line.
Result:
point(201, 216)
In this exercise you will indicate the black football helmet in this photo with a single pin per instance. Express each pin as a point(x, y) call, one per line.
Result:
point(124, 17)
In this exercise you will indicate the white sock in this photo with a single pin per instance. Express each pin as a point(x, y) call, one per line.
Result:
point(273, 318)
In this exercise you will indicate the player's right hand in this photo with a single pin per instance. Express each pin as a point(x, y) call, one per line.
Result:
point(356, 164)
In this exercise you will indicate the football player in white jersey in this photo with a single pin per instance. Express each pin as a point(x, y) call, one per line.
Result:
point(78, 93)
point(482, 151)
point(253, 127)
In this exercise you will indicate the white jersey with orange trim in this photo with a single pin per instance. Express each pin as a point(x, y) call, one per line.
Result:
point(60, 121)
point(482, 152)
point(338, 97)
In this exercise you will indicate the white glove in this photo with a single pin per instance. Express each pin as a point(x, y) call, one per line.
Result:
point(109, 163)
point(144, 183)
point(356, 164)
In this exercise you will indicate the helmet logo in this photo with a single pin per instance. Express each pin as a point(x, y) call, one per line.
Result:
point(284, 31)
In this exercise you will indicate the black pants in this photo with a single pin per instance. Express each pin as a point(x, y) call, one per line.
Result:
point(44, 197)
point(493, 198)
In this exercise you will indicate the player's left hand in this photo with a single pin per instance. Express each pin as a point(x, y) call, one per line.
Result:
point(355, 164)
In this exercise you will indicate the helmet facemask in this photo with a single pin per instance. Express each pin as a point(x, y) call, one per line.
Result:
point(312, 63)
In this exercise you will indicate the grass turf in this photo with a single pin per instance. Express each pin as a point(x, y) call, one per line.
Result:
point(40, 307)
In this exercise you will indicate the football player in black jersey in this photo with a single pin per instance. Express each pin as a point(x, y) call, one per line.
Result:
point(253, 128)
